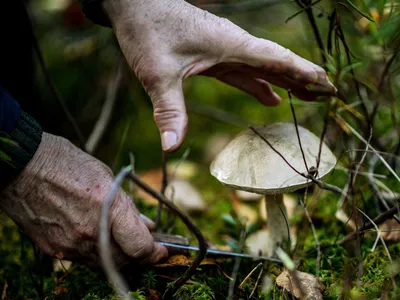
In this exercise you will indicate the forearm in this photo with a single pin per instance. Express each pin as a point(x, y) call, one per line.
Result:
point(20, 137)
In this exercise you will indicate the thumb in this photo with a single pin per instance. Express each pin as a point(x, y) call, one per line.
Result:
point(170, 116)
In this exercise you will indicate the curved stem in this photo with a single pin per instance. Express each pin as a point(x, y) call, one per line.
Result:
point(188, 222)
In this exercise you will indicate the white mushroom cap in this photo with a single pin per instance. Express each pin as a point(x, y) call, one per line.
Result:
point(248, 163)
point(185, 196)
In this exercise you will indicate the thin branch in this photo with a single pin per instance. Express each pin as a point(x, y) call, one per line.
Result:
point(203, 245)
point(369, 146)
point(297, 129)
point(236, 266)
point(104, 242)
point(106, 111)
point(378, 220)
point(318, 244)
point(313, 23)
point(379, 235)
point(164, 184)
point(256, 284)
point(52, 87)
point(276, 151)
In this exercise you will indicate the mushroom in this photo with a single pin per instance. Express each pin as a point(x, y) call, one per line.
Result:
point(185, 196)
point(248, 163)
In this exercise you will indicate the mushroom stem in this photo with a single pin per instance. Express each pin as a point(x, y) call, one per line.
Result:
point(277, 223)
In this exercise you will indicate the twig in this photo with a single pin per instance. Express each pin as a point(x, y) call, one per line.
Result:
point(104, 242)
point(106, 111)
point(378, 220)
point(378, 237)
point(297, 129)
point(52, 87)
point(362, 158)
point(369, 146)
point(318, 261)
point(164, 184)
point(249, 275)
point(181, 160)
point(276, 151)
point(313, 23)
point(236, 266)
point(310, 176)
point(256, 284)
point(188, 222)
point(323, 133)
point(374, 186)
point(4, 292)
point(217, 114)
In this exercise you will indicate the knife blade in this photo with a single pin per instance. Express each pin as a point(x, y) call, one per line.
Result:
point(219, 252)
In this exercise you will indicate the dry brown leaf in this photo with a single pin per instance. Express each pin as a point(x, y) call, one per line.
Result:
point(390, 230)
point(153, 295)
point(175, 260)
point(245, 212)
point(310, 285)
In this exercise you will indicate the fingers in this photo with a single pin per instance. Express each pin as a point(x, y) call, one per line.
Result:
point(170, 116)
point(254, 86)
point(274, 59)
point(133, 236)
point(148, 222)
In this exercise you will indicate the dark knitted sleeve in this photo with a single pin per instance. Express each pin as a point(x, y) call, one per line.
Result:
point(94, 12)
point(20, 136)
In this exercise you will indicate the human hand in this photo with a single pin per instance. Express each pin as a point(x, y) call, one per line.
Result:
point(57, 200)
point(167, 41)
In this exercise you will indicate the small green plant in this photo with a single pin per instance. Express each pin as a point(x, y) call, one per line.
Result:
point(149, 280)
point(196, 291)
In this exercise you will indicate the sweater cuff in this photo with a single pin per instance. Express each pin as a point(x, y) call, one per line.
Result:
point(20, 147)
point(94, 12)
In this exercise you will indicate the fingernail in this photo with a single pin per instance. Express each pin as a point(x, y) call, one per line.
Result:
point(168, 140)
point(277, 96)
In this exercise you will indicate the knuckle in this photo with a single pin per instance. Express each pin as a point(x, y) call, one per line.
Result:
point(144, 250)
point(164, 117)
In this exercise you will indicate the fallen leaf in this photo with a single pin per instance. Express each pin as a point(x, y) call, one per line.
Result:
point(390, 230)
point(60, 290)
point(245, 212)
point(153, 295)
point(175, 260)
point(310, 285)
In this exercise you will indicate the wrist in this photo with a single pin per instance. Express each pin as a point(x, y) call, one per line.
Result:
point(24, 141)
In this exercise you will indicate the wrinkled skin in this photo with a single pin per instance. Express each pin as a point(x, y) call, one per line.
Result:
point(57, 198)
point(57, 201)
point(167, 41)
